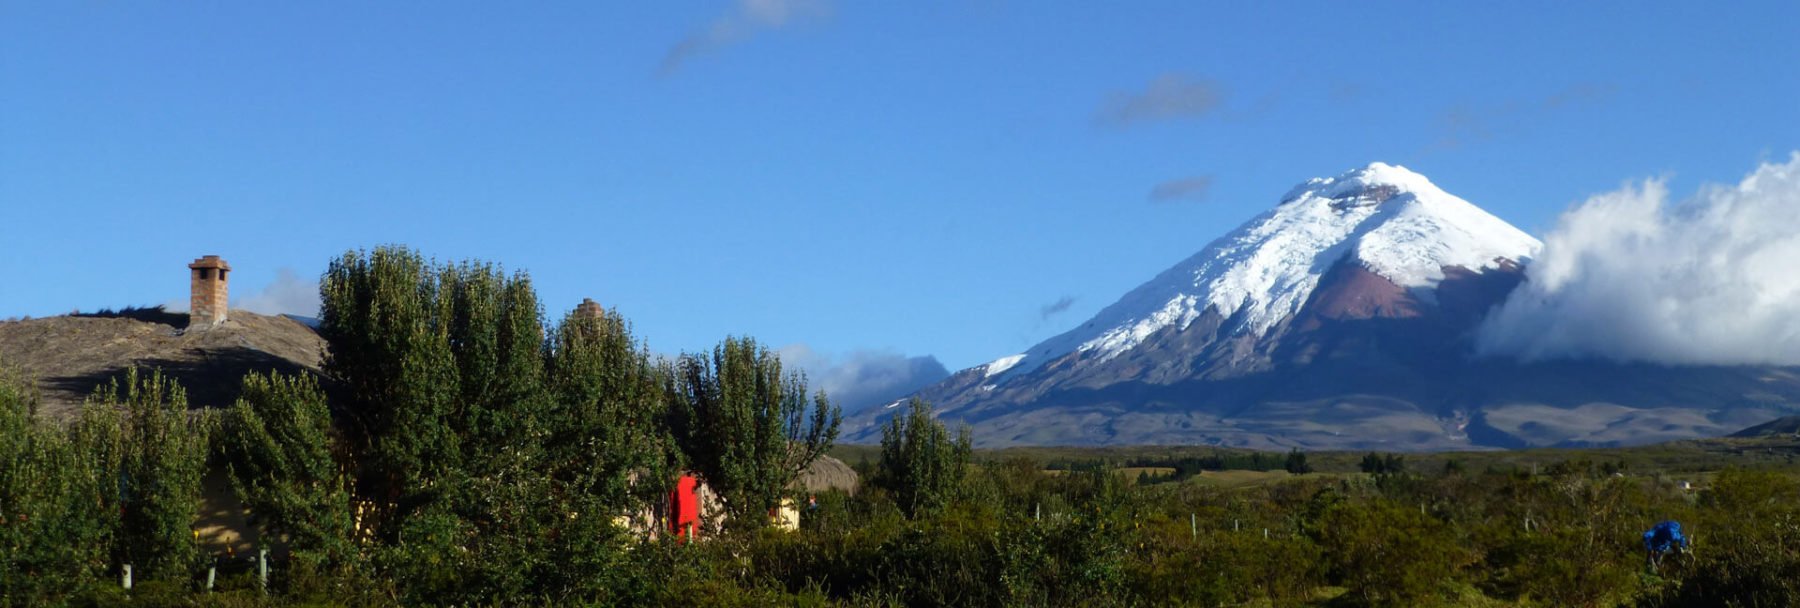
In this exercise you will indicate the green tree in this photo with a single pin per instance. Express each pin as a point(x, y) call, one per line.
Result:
point(495, 332)
point(277, 444)
point(1371, 463)
point(1296, 462)
point(443, 370)
point(496, 453)
point(1376, 464)
point(54, 534)
point(140, 433)
point(1453, 466)
point(608, 451)
point(444, 375)
point(379, 311)
point(609, 435)
point(921, 466)
point(746, 426)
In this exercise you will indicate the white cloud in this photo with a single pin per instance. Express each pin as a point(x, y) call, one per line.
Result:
point(746, 19)
point(1627, 276)
point(863, 378)
point(288, 294)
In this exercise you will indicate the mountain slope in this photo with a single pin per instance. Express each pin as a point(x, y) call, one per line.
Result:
point(1780, 426)
point(1392, 222)
point(1340, 318)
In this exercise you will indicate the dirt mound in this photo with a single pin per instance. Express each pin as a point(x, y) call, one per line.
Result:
point(69, 356)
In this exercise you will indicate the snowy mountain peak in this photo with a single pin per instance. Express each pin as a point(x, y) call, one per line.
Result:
point(1375, 180)
point(1390, 220)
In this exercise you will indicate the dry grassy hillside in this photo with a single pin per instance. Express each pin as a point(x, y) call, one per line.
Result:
point(69, 356)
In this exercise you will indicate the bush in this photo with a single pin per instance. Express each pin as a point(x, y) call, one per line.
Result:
point(1228, 568)
point(1751, 550)
point(1387, 554)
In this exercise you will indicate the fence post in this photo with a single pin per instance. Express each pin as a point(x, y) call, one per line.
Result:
point(1194, 526)
point(212, 574)
point(262, 568)
point(125, 577)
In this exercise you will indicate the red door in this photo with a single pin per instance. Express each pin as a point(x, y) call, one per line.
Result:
point(684, 507)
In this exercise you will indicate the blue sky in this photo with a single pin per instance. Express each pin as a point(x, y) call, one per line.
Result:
point(959, 180)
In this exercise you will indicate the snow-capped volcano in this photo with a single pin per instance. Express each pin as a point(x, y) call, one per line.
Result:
point(1391, 221)
point(1341, 318)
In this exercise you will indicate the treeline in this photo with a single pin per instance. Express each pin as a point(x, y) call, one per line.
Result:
point(462, 450)
point(465, 452)
point(491, 454)
point(1182, 468)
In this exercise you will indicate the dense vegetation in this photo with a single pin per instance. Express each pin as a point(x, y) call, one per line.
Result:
point(460, 450)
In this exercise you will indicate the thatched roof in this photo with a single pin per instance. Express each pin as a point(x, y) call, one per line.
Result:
point(827, 473)
point(70, 356)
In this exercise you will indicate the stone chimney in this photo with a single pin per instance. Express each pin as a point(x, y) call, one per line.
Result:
point(589, 309)
point(208, 294)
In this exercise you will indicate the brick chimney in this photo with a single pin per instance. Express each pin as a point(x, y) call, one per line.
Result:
point(206, 302)
point(590, 309)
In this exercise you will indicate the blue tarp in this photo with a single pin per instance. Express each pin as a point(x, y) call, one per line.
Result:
point(1664, 536)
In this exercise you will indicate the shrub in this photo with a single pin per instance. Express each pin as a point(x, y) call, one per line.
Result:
point(1387, 554)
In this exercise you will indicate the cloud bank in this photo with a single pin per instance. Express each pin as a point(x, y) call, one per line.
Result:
point(1190, 189)
point(287, 295)
point(1170, 96)
point(1627, 276)
point(863, 378)
point(744, 21)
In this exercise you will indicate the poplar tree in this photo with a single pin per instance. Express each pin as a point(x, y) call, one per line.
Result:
point(747, 427)
point(389, 352)
point(608, 451)
point(55, 536)
point(443, 369)
point(277, 441)
point(138, 434)
point(495, 330)
point(610, 432)
point(920, 464)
